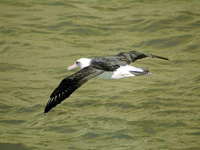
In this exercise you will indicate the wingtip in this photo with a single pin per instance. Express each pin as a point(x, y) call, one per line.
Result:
point(160, 57)
point(45, 111)
point(166, 59)
point(47, 108)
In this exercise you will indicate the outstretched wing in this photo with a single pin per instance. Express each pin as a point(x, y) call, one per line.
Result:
point(123, 58)
point(69, 85)
point(134, 55)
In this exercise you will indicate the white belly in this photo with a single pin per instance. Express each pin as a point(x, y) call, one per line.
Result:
point(122, 72)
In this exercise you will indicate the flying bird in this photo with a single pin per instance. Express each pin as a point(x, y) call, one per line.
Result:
point(114, 67)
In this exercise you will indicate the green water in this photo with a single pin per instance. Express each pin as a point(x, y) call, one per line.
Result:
point(40, 39)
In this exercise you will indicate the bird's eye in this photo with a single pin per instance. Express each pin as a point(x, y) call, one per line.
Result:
point(77, 62)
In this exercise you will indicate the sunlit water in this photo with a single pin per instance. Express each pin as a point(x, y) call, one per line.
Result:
point(39, 39)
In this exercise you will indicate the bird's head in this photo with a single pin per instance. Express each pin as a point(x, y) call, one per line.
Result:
point(81, 63)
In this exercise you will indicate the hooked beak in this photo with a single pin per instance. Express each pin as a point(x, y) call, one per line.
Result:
point(71, 67)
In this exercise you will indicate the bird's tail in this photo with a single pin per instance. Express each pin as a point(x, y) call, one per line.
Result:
point(142, 71)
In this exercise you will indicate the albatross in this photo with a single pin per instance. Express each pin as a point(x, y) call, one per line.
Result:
point(114, 67)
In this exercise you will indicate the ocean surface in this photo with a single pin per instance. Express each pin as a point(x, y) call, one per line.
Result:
point(40, 39)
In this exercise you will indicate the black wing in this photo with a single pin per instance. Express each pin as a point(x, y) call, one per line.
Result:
point(134, 55)
point(123, 58)
point(69, 85)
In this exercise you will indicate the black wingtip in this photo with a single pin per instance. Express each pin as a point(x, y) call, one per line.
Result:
point(45, 111)
point(160, 57)
point(47, 108)
point(165, 58)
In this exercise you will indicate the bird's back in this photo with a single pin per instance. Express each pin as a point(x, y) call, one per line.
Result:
point(109, 63)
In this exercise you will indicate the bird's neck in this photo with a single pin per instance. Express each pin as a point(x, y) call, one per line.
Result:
point(85, 62)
